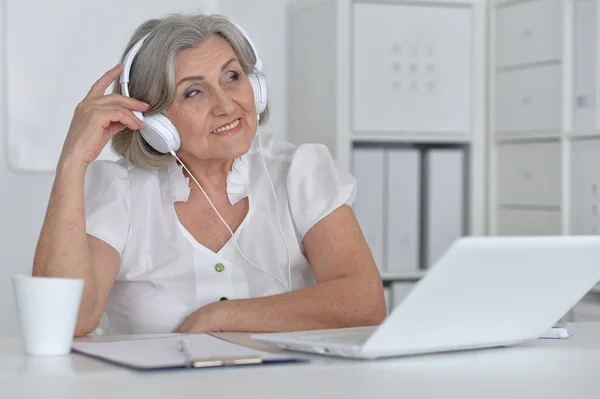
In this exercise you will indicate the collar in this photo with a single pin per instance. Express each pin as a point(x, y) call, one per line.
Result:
point(238, 181)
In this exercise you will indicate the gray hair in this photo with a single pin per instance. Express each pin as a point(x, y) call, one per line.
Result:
point(152, 77)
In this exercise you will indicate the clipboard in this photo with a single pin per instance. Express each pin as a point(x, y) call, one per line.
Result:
point(185, 351)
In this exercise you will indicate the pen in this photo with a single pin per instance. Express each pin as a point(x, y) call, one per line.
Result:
point(186, 348)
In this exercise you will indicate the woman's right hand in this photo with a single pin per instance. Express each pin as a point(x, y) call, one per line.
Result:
point(97, 118)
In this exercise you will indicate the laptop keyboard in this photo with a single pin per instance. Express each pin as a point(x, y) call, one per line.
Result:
point(353, 336)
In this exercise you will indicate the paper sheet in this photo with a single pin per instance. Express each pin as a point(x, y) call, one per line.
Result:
point(156, 353)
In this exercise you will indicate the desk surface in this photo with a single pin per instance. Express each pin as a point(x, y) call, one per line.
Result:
point(540, 369)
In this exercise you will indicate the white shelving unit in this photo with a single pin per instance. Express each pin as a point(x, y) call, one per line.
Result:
point(391, 86)
point(544, 120)
point(515, 83)
point(529, 116)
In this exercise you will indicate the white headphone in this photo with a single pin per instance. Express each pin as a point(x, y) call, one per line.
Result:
point(159, 131)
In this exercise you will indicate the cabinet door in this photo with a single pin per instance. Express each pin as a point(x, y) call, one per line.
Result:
point(529, 174)
point(528, 222)
point(529, 99)
point(368, 169)
point(585, 66)
point(528, 32)
point(585, 187)
point(412, 67)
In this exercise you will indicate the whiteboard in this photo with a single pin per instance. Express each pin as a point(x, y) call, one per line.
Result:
point(54, 51)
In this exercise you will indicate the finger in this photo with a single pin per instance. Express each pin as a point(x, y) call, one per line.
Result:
point(129, 119)
point(126, 102)
point(115, 128)
point(119, 114)
point(105, 80)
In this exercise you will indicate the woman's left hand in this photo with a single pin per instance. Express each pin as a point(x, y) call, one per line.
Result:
point(206, 319)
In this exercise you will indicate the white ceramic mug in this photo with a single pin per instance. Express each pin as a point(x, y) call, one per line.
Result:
point(47, 308)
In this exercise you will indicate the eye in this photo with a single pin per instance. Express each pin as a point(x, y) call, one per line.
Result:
point(234, 76)
point(191, 93)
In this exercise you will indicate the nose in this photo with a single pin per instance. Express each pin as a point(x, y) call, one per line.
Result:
point(223, 104)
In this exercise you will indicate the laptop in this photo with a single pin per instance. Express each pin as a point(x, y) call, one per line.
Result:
point(483, 292)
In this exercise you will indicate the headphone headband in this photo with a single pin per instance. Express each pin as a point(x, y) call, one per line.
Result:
point(124, 79)
point(258, 64)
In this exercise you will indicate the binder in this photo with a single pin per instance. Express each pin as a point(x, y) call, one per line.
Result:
point(178, 351)
point(368, 169)
point(445, 192)
point(403, 210)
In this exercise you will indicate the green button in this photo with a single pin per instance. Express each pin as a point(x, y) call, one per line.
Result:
point(219, 267)
point(223, 298)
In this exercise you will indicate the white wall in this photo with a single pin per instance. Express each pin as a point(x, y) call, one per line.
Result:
point(22, 205)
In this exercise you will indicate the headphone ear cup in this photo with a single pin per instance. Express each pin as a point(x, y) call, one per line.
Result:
point(160, 133)
point(259, 87)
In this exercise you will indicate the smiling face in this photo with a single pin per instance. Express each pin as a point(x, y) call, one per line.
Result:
point(213, 106)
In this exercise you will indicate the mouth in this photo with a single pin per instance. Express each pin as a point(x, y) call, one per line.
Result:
point(229, 129)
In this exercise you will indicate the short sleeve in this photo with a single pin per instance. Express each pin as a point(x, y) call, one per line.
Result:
point(316, 187)
point(107, 203)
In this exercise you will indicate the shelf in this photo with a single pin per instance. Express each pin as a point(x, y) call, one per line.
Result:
point(411, 139)
point(583, 136)
point(435, 2)
point(505, 3)
point(526, 137)
point(403, 276)
point(528, 65)
point(529, 207)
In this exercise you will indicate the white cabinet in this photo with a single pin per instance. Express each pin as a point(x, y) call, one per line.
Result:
point(530, 174)
point(528, 32)
point(585, 187)
point(529, 99)
point(530, 71)
point(412, 68)
point(378, 82)
point(585, 77)
point(529, 184)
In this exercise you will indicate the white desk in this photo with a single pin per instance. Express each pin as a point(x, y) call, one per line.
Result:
point(541, 369)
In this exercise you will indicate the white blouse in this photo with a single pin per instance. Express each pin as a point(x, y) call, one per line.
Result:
point(165, 274)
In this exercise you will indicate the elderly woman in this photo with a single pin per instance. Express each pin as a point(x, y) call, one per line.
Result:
point(232, 231)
